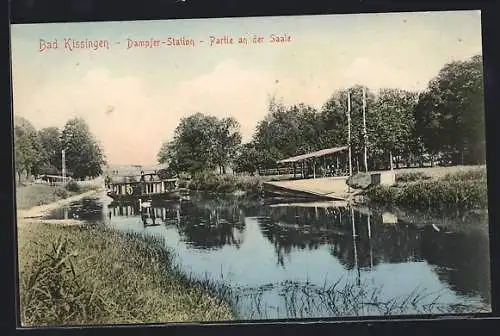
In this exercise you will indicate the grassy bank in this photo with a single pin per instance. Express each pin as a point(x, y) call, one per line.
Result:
point(464, 189)
point(39, 194)
point(75, 275)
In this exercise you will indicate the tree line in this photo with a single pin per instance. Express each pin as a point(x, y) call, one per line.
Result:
point(443, 123)
point(39, 152)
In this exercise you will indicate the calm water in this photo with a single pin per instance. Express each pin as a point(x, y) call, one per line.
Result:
point(316, 260)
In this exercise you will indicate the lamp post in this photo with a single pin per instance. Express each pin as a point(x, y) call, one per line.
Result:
point(63, 158)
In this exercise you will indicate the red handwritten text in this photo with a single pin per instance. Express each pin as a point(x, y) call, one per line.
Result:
point(151, 43)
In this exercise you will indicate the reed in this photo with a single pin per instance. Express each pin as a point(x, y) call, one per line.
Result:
point(81, 276)
point(462, 190)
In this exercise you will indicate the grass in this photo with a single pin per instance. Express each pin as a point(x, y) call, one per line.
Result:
point(76, 276)
point(459, 190)
point(343, 299)
point(412, 176)
point(39, 194)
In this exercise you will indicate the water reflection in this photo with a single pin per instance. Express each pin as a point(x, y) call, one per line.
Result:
point(277, 243)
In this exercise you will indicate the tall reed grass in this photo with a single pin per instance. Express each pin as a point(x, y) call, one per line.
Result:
point(76, 276)
point(464, 190)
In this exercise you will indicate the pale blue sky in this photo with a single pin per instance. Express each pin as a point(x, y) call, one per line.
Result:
point(151, 89)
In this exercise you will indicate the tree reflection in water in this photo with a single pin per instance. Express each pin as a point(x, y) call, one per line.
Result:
point(360, 239)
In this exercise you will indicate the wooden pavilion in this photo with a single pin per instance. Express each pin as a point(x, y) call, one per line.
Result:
point(310, 159)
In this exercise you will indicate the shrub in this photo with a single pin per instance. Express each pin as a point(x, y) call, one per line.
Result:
point(208, 181)
point(383, 194)
point(473, 174)
point(60, 193)
point(437, 195)
point(411, 176)
point(359, 181)
point(73, 186)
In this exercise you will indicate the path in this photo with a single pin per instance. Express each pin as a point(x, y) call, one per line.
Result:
point(37, 212)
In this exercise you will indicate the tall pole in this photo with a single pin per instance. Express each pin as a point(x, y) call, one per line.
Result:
point(349, 130)
point(63, 158)
point(365, 135)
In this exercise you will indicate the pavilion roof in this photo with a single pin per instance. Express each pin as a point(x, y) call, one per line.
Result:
point(315, 154)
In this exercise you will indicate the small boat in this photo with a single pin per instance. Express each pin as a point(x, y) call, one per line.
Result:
point(145, 186)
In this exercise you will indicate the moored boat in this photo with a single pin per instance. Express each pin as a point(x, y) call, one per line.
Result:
point(145, 186)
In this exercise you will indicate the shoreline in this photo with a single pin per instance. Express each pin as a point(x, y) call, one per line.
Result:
point(37, 212)
point(158, 273)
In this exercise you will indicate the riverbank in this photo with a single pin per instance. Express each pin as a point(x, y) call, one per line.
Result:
point(65, 280)
point(33, 195)
point(42, 210)
point(462, 188)
point(75, 275)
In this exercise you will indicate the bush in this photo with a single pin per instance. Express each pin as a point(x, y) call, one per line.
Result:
point(411, 176)
point(60, 193)
point(73, 186)
point(383, 194)
point(360, 181)
point(208, 181)
point(437, 195)
point(473, 174)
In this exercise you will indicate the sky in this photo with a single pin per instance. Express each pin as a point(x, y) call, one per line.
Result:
point(133, 99)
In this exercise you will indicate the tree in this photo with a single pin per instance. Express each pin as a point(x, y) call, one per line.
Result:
point(201, 143)
point(392, 123)
point(247, 159)
point(27, 147)
point(334, 116)
point(286, 131)
point(84, 157)
point(227, 139)
point(450, 113)
point(50, 139)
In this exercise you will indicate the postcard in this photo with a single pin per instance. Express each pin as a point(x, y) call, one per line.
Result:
point(229, 169)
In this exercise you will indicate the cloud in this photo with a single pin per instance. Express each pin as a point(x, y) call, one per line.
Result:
point(132, 119)
point(377, 74)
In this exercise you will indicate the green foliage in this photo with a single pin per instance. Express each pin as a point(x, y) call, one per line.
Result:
point(383, 195)
point(39, 152)
point(458, 191)
point(470, 174)
point(227, 183)
point(84, 156)
point(450, 113)
point(201, 142)
point(50, 139)
point(27, 147)
point(64, 280)
point(411, 176)
point(446, 120)
point(360, 181)
point(73, 186)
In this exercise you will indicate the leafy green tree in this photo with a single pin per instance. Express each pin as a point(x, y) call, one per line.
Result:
point(84, 157)
point(27, 147)
point(392, 124)
point(334, 116)
point(50, 139)
point(247, 159)
point(286, 131)
point(227, 139)
point(450, 113)
point(201, 143)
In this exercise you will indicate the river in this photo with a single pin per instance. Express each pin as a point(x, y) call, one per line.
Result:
point(313, 260)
